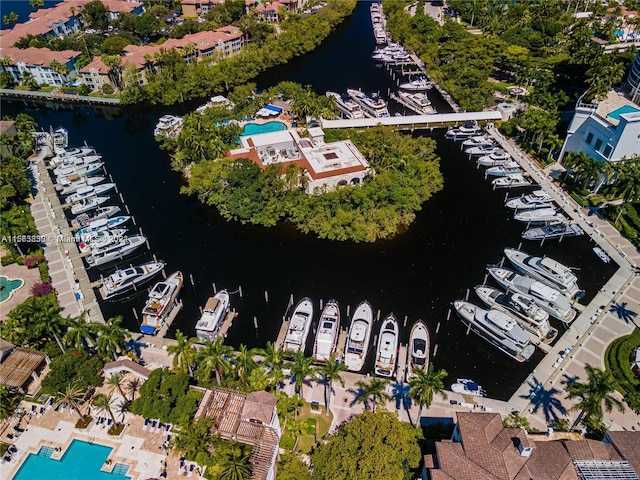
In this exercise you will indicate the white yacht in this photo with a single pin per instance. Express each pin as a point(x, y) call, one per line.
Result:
point(72, 183)
point(161, 301)
point(418, 102)
point(545, 269)
point(89, 191)
point(478, 141)
point(481, 150)
point(528, 201)
point(417, 85)
point(419, 347)
point(81, 170)
point(215, 310)
point(373, 106)
point(511, 181)
point(601, 254)
point(540, 216)
point(328, 330)
point(85, 219)
point(509, 168)
point(75, 161)
point(101, 238)
point(347, 107)
point(494, 159)
point(548, 298)
point(299, 326)
point(466, 386)
point(122, 281)
point(523, 307)
point(115, 251)
point(168, 125)
point(467, 130)
point(387, 351)
point(555, 231)
point(101, 224)
point(87, 204)
point(359, 336)
point(497, 328)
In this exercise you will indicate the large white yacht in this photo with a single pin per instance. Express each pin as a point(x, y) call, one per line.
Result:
point(497, 328)
point(115, 251)
point(347, 107)
point(419, 347)
point(299, 326)
point(387, 351)
point(359, 336)
point(540, 216)
point(328, 330)
point(161, 301)
point(373, 106)
point(213, 315)
point(123, 281)
point(535, 199)
point(555, 231)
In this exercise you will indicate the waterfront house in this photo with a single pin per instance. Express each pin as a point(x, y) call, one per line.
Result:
point(248, 418)
point(96, 74)
point(44, 66)
point(481, 448)
point(126, 365)
point(326, 165)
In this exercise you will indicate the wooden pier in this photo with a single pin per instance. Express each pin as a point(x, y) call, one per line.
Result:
point(226, 324)
point(342, 342)
point(177, 306)
point(282, 333)
point(402, 364)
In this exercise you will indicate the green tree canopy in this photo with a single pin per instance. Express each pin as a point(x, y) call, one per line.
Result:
point(73, 367)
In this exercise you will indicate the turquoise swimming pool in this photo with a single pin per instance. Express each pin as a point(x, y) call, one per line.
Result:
point(622, 110)
point(81, 461)
point(256, 128)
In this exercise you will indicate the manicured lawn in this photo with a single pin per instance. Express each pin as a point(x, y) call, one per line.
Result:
point(317, 422)
point(617, 359)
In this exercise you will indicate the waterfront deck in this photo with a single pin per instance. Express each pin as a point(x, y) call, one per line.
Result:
point(410, 122)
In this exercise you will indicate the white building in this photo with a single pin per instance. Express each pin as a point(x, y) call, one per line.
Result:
point(327, 165)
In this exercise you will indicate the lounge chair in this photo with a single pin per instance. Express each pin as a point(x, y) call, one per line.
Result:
point(146, 424)
point(109, 422)
point(191, 468)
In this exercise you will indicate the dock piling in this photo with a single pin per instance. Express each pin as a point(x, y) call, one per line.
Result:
point(126, 207)
point(255, 322)
point(214, 288)
point(191, 279)
point(348, 309)
point(321, 303)
point(135, 313)
point(435, 350)
point(405, 321)
point(466, 297)
point(240, 290)
point(438, 327)
point(266, 296)
point(121, 197)
point(164, 275)
point(448, 314)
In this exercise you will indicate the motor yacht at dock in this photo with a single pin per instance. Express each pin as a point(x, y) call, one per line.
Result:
point(213, 314)
point(76, 182)
point(387, 351)
point(528, 201)
point(512, 180)
point(161, 301)
point(347, 107)
point(373, 106)
point(416, 85)
point(467, 130)
point(299, 326)
point(84, 219)
point(498, 328)
point(328, 330)
point(552, 232)
point(418, 102)
point(508, 168)
point(115, 251)
point(359, 336)
point(100, 225)
point(101, 238)
point(540, 216)
point(494, 159)
point(123, 281)
point(419, 347)
point(466, 386)
point(87, 204)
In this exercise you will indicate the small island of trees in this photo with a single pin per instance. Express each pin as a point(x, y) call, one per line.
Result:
point(406, 174)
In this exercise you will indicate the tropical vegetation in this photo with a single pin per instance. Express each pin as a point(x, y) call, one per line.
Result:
point(619, 356)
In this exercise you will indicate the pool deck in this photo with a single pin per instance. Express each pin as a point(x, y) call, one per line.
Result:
point(31, 276)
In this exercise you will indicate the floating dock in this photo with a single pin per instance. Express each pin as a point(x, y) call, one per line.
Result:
point(177, 306)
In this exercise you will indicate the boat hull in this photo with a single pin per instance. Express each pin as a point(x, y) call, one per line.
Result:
point(359, 337)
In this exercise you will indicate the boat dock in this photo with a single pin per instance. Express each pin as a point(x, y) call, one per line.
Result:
point(68, 275)
point(402, 367)
point(177, 306)
point(226, 323)
point(282, 333)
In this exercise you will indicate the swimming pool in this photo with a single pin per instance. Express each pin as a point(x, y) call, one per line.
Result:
point(81, 461)
point(256, 128)
point(622, 110)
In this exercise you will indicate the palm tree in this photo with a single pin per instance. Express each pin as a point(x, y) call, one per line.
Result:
point(273, 357)
point(184, 354)
point(424, 384)
point(236, 465)
point(373, 391)
point(72, 395)
point(10, 19)
point(193, 437)
point(244, 362)
point(301, 369)
point(330, 372)
point(515, 420)
point(9, 401)
point(36, 4)
point(628, 182)
point(214, 357)
point(112, 337)
point(597, 390)
point(80, 332)
point(103, 403)
point(48, 321)
point(132, 386)
point(115, 382)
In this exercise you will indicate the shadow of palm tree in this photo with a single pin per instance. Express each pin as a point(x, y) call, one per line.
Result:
point(623, 313)
point(545, 399)
point(359, 396)
point(569, 380)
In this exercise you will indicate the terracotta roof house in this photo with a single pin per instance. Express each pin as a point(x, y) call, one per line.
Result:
point(96, 74)
point(126, 365)
point(481, 448)
point(247, 418)
point(37, 62)
point(21, 367)
point(327, 165)
point(268, 12)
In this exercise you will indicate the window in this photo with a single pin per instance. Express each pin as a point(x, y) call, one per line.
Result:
point(607, 151)
point(589, 138)
point(598, 145)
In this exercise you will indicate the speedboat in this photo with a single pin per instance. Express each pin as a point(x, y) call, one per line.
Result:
point(523, 308)
point(468, 387)
point(87, 204)
point(528, 201)
point(161, 301)
point(417, 85)
point(346, 106)
point(89, 191)
point(359, 336)
point(101, 224)
point(494, 159)
point(540, 216)
point(373, 106)
point(328, 330)
point(418, 102)
point(548, 298)
point(74, 182)
point(299, 326)
point(480, 150)
point(387, 351)
point(550, 232)
point(601, 254)
point(501, 170)
point(122, 281)
point(467, 130)
point(82, 170)
point(545, 269)
point(478, 141)
point(419, 345)
point(115, 251)
point(497, 328)
point(213, 315)
point(511, 181)
point(100, 239)
point(85, 219)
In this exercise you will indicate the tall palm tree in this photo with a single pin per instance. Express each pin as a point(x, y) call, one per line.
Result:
point(236, 465)
point(184, 354)
point(80, 333)
point(10, 19)
point(72, 396)
point(273, 357)
point(132, 386)
point(214, 357)
point(331, 371)
point(301, 369)
point(628, 182)
point(244, 362)
point(373, 391)
point(424, 384)
point(112, 337)
point(193, 437)
point(116, 382)
point(597, 390)
point(103, 403)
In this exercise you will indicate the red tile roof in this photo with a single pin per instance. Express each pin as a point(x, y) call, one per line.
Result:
point(39, 56)
point(96, 65)
point(628, 445)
